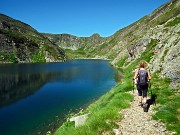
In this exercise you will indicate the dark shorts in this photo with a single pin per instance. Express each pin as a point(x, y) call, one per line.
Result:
point(142, 90)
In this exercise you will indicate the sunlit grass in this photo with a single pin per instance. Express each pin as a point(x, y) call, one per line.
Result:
point(168, 110)
point(103, 114)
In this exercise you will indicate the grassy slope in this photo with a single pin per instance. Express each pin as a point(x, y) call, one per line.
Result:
point(168, 110)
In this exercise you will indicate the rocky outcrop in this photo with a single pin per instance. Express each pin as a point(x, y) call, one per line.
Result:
point(17, 49)
point(66, 41)
point(167, 55)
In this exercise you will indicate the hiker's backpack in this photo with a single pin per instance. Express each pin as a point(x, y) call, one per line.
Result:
point(142, 77)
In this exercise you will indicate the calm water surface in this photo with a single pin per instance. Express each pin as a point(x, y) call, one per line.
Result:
point(36, 98)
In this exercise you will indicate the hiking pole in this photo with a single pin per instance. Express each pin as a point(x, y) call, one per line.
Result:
point(133, 84)
point(150, 87)
point(153, 96)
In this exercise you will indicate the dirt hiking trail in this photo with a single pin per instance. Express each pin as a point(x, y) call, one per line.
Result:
point(137, 122)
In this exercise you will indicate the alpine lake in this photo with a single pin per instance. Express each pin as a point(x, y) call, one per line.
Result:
point(37, 98)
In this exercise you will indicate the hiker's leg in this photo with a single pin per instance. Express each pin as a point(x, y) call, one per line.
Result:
point(144, 99)
point(140, 99)
point(145, 94)
point(139, 94)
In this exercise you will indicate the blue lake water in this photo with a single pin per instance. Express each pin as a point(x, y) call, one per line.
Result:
point(36, 98)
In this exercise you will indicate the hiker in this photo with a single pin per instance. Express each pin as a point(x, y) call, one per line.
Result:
point(142, 83)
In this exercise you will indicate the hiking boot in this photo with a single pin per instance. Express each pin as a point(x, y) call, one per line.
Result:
point(144, 105)
point(140, 104)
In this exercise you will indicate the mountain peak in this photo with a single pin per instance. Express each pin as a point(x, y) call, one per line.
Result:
point(95, 35)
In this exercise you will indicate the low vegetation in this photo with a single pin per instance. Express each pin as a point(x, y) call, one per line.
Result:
point(168, 110)
point(79, 53)
point(8, 57)
point(174, 22)
point(39, 57)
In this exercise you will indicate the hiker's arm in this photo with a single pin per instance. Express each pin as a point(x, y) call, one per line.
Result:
point(149, 76)
point(136, 74)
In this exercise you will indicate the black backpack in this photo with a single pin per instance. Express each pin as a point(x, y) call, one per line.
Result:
point(142, 77)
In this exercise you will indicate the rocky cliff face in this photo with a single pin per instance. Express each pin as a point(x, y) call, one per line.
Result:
point(21, 43)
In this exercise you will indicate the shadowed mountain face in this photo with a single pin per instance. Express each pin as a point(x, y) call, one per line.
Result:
point(19, 42)
point(17, 86)
point(22, 80)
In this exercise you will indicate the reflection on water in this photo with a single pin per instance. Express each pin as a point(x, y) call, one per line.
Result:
point(35, 98)
point(19, 85)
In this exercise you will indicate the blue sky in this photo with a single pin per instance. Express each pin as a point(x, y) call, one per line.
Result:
point(79, 17)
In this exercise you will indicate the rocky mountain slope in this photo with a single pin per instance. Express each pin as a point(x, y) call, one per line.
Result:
point(154, 38)
point(19, 42)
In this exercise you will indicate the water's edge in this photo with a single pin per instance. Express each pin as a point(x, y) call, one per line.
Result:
point(83, 110)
